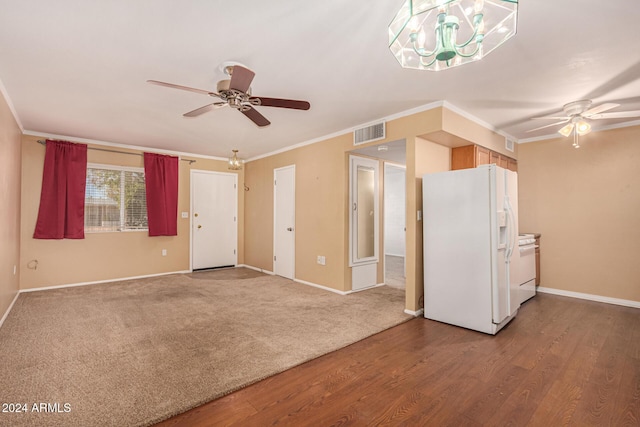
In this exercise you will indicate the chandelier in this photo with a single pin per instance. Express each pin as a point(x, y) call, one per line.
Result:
point(235, 163)
point(439, 34)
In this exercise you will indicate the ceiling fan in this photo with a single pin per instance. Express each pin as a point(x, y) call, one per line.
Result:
point(578, 114)
point(236, 93)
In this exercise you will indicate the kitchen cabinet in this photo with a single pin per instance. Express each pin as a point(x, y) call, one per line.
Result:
point(470, 156)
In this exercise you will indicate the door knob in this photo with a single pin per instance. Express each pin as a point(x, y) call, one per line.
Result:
point(196, 215)
point(199, 226)
point(289, 229)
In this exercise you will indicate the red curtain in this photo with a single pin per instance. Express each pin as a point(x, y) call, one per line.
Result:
point(61, 213)
point(161, 181)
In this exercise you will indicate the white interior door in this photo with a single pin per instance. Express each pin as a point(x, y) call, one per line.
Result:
point(214, 226)
point(284, 219)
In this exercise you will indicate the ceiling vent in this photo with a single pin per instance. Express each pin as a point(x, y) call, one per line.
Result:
point(369, 133)
point(508, 144)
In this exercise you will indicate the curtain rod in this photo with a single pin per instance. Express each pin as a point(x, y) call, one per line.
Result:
point(40, 141)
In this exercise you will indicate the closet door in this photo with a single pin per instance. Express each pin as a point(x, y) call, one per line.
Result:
point(284, 221)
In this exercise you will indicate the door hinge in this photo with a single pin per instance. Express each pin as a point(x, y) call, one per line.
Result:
point(234, 219)
point(234, 186)
point(274, 182)
point(274, 257)
point(234, 251)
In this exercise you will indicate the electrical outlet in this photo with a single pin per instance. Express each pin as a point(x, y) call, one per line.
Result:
point(322, 260)
point(164, 252)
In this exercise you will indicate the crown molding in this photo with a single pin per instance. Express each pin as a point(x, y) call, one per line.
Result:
point(405, 113)
point(7, 99)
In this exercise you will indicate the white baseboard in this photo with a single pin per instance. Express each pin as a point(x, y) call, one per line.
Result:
point(365, 289)
point(326, 288)
point(418, 313)
point(261, 270)
point(97, 282)
point(6, 313)
point(590, 297)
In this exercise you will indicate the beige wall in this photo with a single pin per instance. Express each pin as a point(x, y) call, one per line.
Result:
point(322, 219)
point(102, 256)
point(428, 157)
point(321, 197)
point(10, 206)
point(586, 204)
point(461, 127)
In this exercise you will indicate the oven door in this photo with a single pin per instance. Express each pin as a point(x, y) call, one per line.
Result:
point(527, 272)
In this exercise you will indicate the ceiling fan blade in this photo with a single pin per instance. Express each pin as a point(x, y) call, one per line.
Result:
point(619, 115)
point(241, 78)
point(599, 109)
point(283, 103)
point(548, 126)
point(190, 89)
point(202, 110)
point(256, 117)
point(550, 117)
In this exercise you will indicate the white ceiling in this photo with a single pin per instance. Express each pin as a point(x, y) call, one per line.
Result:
point(79, 68)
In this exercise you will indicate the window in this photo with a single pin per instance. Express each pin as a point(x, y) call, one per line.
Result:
point(115, 199)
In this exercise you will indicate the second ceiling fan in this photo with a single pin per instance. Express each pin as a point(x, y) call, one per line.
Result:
point(577, 114)
point(236, 93)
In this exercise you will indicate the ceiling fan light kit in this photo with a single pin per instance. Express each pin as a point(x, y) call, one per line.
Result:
point(235, 164)
point(440, 34)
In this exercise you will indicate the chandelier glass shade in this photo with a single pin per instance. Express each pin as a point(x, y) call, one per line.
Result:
point(235, 163)
point(439, 34)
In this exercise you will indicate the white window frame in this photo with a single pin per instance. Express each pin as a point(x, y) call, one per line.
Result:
point(122, 183)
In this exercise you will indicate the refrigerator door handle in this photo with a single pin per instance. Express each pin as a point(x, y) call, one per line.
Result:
point(514, 231)
point(507, 252)
point(511, 237)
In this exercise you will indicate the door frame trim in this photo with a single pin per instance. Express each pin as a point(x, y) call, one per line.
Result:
point(293, 261)
point(191, 199)
point(354, 162)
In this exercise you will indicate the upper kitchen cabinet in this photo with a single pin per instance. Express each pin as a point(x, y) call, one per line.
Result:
point(470, 156)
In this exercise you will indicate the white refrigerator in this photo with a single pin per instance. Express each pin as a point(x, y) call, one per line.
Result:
point(470, 237)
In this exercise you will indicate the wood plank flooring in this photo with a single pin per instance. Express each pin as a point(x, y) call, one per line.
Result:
point(562, 361)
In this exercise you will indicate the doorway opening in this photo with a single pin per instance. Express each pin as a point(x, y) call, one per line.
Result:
point(394, 225)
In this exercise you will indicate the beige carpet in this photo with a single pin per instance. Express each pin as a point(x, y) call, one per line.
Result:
point(137, 352)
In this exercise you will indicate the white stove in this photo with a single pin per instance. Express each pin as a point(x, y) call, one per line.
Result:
point(527, 266)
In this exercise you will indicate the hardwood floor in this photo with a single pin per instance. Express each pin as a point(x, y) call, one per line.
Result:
point(561, 361)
